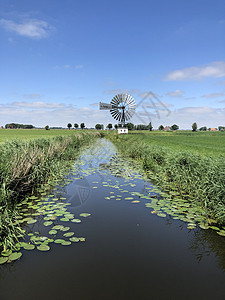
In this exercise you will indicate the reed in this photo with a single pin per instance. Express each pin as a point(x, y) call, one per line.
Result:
point(198, 178)
point(25, 166)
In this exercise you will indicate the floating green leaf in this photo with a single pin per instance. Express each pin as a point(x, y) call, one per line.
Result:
point(68, 234)
point(15, 256)
point(48, 223)
point(85, 215)
point(28, 247)
point(66, 243)
point(3, 260)
point(6, 253)
point(65, 219)
point(43, 247)
point(74, 239)
point(76, 220)
point(52, 232)
point(65, 228)
point(32, 221)
point(58, 227)
point(59, 241)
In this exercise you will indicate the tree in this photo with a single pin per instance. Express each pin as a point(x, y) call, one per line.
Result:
point(150, 126)
point(174, 127)
point(109, 126)
point(102, 126)
point(69, 125)
point(161, 127)
point(76, 125)
point(194, 126)
point(98, 126)
point(82, 125)
point(47, 127)
point(130, 126)
point(203, 128)
point(115, 126)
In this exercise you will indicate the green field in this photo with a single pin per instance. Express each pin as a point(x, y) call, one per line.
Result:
point(204, 143)
point(18, 134)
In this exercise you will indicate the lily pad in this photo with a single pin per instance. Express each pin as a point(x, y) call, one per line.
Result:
point(85, 215)
point(74, 239)
point(65, 228)
point(6, 253)
point(76, 221)
point(66, 243)
point(65, 219)
point(68, 234)
point(48, 223)
point(82, 239)
point(58, 227)
point(15, 256)
point(43, 247)
point(52, 231)
point(59, 241)
point(28, 247)
point(3, 260)
point(161, 215)
point(31, 221)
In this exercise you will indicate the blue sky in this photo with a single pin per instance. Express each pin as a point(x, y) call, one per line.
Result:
point(60, 58)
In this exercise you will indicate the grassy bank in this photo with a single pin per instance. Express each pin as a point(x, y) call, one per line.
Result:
point(27, 164)
point(193, 175)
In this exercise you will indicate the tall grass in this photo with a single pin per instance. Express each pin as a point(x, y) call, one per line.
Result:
point(200, 179)
point(24, 166)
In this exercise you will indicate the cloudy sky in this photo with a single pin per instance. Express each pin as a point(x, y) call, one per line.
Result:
point(59, 59)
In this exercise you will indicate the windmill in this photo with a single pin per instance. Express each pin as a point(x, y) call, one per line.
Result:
point(122, 108)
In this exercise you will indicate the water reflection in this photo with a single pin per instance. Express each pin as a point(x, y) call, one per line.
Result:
point(208, 242)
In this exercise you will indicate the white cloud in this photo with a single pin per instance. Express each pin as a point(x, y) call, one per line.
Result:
point(40, 114)
point(213, 70)
point(176, 93)
point(31, 28)
point(213, 95)
point(184, 117)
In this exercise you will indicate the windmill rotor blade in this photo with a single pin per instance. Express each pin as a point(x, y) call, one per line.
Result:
point(122, 107)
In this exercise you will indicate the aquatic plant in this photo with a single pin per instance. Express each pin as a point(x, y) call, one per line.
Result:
point(199, 179)
point(27, 165)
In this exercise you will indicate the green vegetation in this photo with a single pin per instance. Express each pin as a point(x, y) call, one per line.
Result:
point(196, 174)
point(194, 126)
point(207, 143)
point(15, 125)
point(25, 166)
point(28, 134)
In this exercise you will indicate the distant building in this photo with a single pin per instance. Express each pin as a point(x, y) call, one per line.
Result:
point(213, 129)
point(167, 128)
point(122, 130)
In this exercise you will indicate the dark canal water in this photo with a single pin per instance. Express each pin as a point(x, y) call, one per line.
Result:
point(128, 253)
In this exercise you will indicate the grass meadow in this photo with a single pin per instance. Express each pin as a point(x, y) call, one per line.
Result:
point(203, 143)
point(28, 134)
